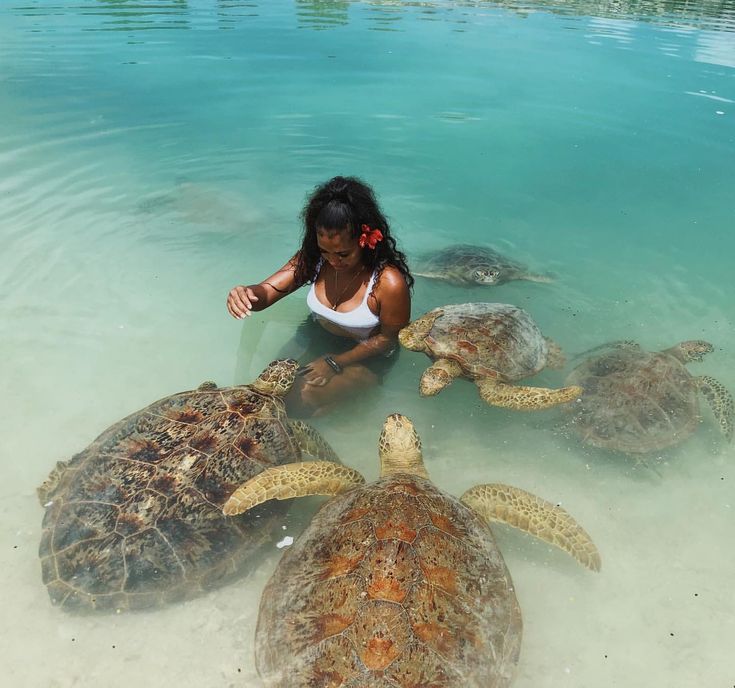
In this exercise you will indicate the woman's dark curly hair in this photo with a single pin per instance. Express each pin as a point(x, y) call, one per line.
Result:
point(346, 203)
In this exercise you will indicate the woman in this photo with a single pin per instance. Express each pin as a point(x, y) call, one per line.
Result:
point(359, 295)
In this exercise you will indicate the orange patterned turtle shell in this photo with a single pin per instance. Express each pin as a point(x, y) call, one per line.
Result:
point(488, 340)
point(135, 520)
point(394, 584)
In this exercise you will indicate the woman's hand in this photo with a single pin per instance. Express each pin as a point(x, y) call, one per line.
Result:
point(318, 372)
point(240, 301)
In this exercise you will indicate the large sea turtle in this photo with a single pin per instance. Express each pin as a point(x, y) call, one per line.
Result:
point(396, 583)
point(636, 401)
point(468, 265)
point(493, 344)
point(135, 520)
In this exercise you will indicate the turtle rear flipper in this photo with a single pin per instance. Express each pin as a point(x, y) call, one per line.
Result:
point(555, 358)
point(721, 403)
point(292, 480)
point(527, 512)
point(524, 398)
point(312, 443)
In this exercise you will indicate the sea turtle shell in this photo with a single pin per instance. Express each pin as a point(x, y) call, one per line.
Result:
point(488, 340)
point(393, 584)
point(470, 265)
point(134, 520)
point(634, 401)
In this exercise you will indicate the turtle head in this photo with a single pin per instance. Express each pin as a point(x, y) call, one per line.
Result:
point(278, 377)
point(411, 338)
point(399, 448)
point(486, 275)
point(691, 350)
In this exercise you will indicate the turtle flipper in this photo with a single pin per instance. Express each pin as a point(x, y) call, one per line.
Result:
point(51, 485)
point(555, 358)
point(720, 401)
point(428, 274)
point(292, 480)
point(533, 277)
point(438, 375)
point(312, 443)
point(527, 512)
point(524, 398)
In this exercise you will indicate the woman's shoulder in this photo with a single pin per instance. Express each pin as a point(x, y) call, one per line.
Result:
point(391, 280)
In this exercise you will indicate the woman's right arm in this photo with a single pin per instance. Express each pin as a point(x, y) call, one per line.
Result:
point(244, 299)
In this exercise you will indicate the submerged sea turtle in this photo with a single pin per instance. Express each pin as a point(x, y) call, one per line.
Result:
point(468, 265)
point(493, 344)
point(636, 401)
point(396, 583)
point(135, 519)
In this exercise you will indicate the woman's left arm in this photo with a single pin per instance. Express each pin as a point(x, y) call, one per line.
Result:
point(394, 304)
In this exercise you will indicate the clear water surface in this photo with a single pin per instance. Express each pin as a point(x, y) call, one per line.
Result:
point(153, 154)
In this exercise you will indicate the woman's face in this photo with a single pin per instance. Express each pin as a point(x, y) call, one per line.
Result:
point(339, 248)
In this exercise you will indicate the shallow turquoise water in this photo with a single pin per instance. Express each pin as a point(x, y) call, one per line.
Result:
point(155, 154)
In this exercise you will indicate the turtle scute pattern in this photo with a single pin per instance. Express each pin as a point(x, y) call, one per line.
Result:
point(135, 520)
point(399, 598)
point(487, 338)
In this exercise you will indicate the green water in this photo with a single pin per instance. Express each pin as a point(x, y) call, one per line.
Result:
point(155, 154)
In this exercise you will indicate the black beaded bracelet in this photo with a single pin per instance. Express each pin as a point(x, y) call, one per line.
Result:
point(336, 367)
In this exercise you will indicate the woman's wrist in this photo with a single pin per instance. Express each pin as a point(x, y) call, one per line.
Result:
point(336, 367)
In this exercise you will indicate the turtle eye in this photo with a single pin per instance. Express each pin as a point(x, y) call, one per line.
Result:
point(485, 276)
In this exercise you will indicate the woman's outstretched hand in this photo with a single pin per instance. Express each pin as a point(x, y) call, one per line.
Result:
point(240, 301)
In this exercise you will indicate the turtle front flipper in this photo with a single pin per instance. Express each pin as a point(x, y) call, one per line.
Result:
point(312, 443)
point(720, 401)
point(527, 512)
point(523, 398)
point(438, 376)
point(292, 480)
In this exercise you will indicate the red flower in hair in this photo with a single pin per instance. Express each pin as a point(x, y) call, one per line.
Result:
point(370, 237)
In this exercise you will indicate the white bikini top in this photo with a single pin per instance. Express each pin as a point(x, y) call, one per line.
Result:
point(359, 322)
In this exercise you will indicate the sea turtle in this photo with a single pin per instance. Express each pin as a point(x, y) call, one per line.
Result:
point(134, 520)
point(636, 401)
point(493, 344)
point(396, 583)
point(468, 265)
